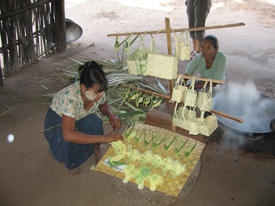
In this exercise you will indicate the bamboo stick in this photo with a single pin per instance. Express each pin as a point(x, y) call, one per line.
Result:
point(169, 98)
point(202, 79)
point(10, 32)
point(183, 29)
point(227, 116)
point(169, 47)
point(37, 35)
point(146, 91)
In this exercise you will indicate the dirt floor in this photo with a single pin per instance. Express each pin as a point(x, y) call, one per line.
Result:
point(29, 177)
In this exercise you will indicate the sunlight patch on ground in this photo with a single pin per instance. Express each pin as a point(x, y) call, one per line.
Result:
point(216, 6)
point(268, 1)
point(161, 5)
point(72, 3)
point(271, 1)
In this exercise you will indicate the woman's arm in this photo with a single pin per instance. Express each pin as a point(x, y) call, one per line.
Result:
point(114, 120)
point(198, 85)
point(72, 136)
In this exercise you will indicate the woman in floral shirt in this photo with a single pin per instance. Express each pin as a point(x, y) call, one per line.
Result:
point(74, 108)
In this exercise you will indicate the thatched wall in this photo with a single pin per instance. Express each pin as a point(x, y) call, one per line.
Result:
point(28, 32)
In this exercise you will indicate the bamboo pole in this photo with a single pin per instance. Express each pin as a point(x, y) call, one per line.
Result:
point(146, 91)
point(169, 98)
point(37, 35)
point(60, 25)
point(169, 47)
point(182, 30)
point(202, 79)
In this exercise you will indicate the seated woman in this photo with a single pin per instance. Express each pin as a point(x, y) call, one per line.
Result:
point(74, 108)
point(210, 63)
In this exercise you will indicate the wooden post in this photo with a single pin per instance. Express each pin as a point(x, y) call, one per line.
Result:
point(60, 26)
point(1, 77)
point(168, 34)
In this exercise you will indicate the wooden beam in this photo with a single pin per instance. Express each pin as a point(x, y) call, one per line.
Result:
point(61, 42)
point(202, 79)
point(181, 30)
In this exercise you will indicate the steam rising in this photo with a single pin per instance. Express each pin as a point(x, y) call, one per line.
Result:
point(245, 102)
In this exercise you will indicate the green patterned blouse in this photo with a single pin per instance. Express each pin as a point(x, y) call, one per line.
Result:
point(69, 102)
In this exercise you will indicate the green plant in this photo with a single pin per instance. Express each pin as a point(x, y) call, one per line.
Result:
point(119, 146)
point(146, 100)
point(131, 133)
point(133, 95)
point(156, 102)
point(157, 161)
point(167, 164)
point(189, 151)
point(178, 149)
point(177, 169)
point(128, 172)
point(147, 142)
point(155, 144)
point(138, 138)
point(155, 180)
point(166, 147)
point(147, 156)
point(115, 163)
point(142, 174)
point(138, 100)
point(125, 93)
point(134, 155)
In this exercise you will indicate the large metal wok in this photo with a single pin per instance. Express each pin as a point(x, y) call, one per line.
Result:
point(257, 113)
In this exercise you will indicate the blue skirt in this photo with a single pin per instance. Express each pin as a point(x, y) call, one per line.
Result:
point(72, 154)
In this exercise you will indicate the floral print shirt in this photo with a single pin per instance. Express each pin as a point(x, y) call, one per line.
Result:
point(69, 102)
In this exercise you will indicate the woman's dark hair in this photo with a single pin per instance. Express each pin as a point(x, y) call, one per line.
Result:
point(213, 39)
point(92, 73)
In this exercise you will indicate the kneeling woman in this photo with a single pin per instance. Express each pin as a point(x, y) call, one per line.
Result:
point(210, 63)
point(74, 108)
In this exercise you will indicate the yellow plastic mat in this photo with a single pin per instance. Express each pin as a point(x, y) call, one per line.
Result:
point(170, 186)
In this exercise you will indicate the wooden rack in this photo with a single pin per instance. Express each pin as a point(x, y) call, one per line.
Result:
point(168, 34)
point(169, 98)
point(169, 47)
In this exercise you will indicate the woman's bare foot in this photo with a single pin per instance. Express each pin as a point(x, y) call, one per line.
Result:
point(75, 171)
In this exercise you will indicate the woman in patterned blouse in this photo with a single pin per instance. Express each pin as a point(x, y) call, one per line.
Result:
point(72, 128)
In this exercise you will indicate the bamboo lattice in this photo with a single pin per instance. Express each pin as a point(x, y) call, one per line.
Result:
point(170, 186)
point(27, 30)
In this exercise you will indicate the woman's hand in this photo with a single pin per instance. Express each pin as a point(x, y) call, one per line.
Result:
point(115, 121)
point(111, 137)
